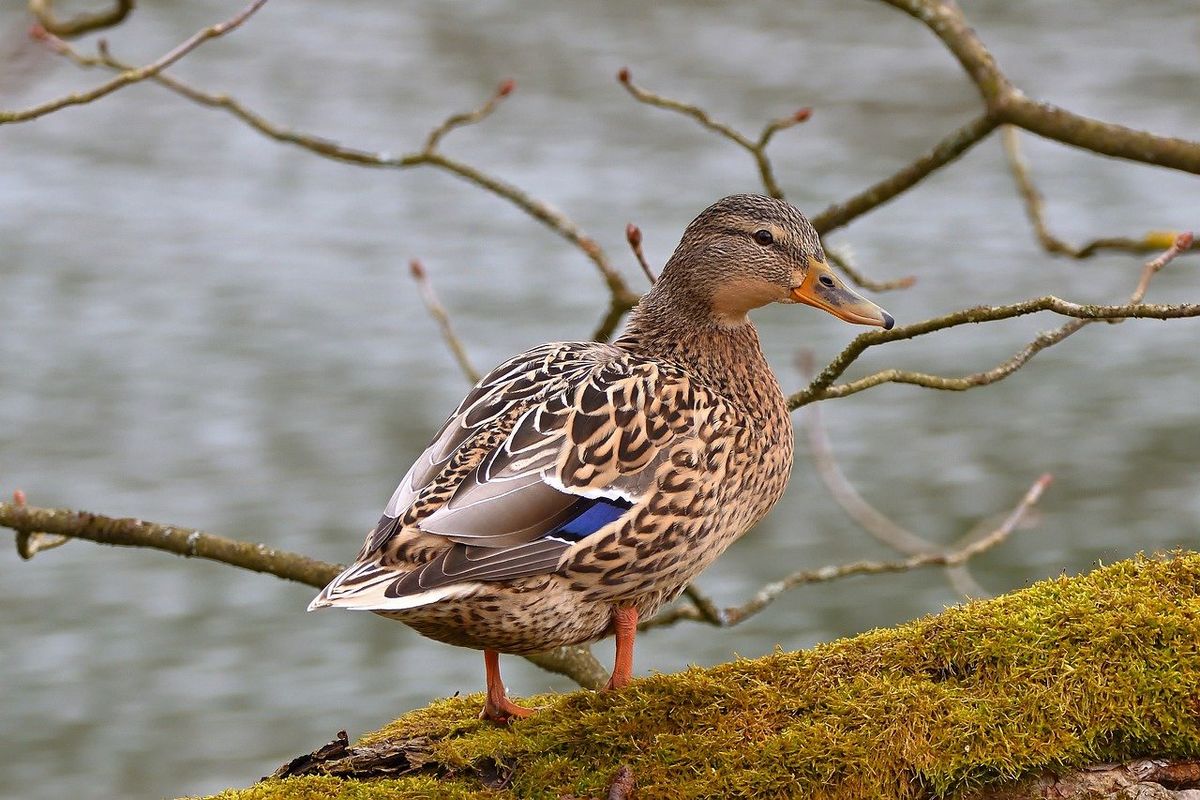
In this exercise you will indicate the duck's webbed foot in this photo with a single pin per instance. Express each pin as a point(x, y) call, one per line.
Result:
point(498, 708)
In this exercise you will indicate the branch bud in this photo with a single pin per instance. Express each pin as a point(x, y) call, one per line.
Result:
point(506, 87)
point(802, 114)
point(633, 234)
point(416, 269)
point(623, 75)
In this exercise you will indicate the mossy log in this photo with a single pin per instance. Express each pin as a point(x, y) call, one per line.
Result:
point(988, 698)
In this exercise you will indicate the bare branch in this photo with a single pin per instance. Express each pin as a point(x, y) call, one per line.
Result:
point(576, 663)
point(947, 150)
point(30, 543)
point(769, 593)
point(621, 297)
point(1105, 138)
point(881, 527)
point(947, 22)
point(633, 235)
point(180, 541)
point(471, 117)
point(756, 148)
point(705, 607)
point(822, 387)
point(1005, 103)
point(841, 257)
point(438, 312)
point(137, 74)
point(78, 25)
point(965, 382)
point(1035, 209)
point(618, 307)
point(1182, 243)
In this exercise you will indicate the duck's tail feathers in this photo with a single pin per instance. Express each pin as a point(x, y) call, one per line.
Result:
point(370, 587)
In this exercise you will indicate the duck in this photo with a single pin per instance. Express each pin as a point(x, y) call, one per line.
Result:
point(580, 486)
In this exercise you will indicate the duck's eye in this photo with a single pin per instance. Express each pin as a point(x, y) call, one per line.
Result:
point(764, 237)
point(826, 281)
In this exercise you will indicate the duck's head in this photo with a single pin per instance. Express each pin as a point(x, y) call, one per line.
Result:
point(746, 251)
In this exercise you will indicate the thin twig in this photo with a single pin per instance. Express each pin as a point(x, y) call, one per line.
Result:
point(1182, 243)
point(30, 543)
point(1035, 210)
point(439, 314)
point(470, 117)
point(881, 527)
point(621, 298)
point(840, 257)
point(771, 592)
point(633, 235)
point(822, 387)
point(134, 75)
point(576, 663)
point(78, 25)
point(757, 148)
point(944, 152)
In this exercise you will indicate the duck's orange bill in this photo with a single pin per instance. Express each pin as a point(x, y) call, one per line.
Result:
point(824, 290)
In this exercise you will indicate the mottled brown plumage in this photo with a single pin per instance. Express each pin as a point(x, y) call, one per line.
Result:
point(579, 486)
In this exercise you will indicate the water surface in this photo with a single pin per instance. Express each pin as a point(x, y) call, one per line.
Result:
point(203, 327)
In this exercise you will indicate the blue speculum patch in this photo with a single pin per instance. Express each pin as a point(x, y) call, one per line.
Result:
point(593, 514)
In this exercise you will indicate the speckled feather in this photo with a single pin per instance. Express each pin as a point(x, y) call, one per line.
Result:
point(677, 430)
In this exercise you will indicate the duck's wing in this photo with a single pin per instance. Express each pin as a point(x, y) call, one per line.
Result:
point(547, 450)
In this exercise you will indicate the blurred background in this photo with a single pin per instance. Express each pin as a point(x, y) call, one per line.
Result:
point(204, 327)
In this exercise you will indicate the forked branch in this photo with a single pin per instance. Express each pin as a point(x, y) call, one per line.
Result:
point(132, 75)
point(944, 152)
point(771, 592)
point(621, 297)
point(822, 388)
point(757, 148)
point(1005, 103)
point(1035, 210)
point(880, 526)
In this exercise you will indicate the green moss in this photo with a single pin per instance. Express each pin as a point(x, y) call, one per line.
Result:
point(325, 788)
point(1068, 672)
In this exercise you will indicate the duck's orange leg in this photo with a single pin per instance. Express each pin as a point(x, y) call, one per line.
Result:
point(498, 708)
point(625, 622)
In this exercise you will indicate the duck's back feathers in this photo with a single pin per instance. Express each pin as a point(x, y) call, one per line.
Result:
point(547, 450)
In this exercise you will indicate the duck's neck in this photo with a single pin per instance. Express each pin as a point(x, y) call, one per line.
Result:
point(725, 354)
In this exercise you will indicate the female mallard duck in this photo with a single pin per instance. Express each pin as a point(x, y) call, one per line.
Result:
point(580, 485)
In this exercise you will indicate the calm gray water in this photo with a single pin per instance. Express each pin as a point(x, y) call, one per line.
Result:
point(202, 327)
